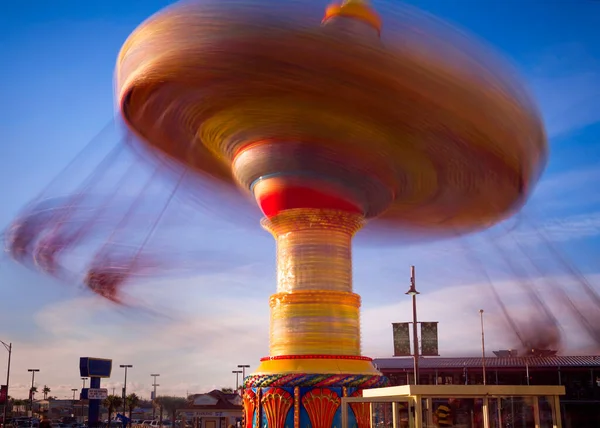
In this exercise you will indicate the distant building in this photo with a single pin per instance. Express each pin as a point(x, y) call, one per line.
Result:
point(215, 409)
point(579, 374)
point(57, 409)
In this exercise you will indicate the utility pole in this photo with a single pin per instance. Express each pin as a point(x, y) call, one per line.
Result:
point(33, 371)
point(73, 405)
point(243, 367)
point(154, 384)
point(412, 291)
point(125, 366)
point(482, 345)
point(82, 406)
point(237, 378)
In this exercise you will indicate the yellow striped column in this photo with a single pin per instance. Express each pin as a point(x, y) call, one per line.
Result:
point(314, 312)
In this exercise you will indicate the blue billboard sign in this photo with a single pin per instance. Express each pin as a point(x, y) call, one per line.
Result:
point(95, 367)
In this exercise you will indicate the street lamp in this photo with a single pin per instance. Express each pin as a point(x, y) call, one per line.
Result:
point(243, 367)
point(482, 345)
point(31, 390)
point(82, 407)
point(74, 391)
point(125, 366)
point(9, 349)
point(154, 384)
point(237, 378)
point(412, 291)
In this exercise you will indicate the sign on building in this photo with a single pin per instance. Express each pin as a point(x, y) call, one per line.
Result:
point(95, 367)
point(97, 393)
point(209, 413)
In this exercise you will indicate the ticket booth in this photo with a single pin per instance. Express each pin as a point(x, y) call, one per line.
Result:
point(458, 406)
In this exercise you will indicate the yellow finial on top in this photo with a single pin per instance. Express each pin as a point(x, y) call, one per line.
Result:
point(357, 9)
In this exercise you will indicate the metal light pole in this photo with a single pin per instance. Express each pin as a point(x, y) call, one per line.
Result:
point(243, 367)
point(82, 406)
point(31, 390)
point(9, 349)
point(482, 345)
point(412, 291)
point(154, 384)
point(237, 378)
point(74, 391)
point(125, 366)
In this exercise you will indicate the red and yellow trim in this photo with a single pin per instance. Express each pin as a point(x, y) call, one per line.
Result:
point(309, 357)
point(317, 366)
point(276, 194)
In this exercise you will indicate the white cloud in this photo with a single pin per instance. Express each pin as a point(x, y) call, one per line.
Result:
point(208, 338)
point(566, 83)
point(194, 353)
point(457, 310)
point(568, 103)
point(555, 186)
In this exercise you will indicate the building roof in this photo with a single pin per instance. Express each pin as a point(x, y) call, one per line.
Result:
point(403, 363)
point(220, 400)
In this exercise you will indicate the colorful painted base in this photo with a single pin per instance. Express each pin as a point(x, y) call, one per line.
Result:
point(294, 406)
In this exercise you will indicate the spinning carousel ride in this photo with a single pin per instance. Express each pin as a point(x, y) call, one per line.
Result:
point(329, 127)
point(332, 124)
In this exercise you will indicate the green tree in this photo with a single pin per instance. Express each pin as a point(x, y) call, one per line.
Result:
point(145, 404)
point(132, 401)
point(171, 405)
point(227, 390)
point(112, 402)
point(46, 391)
point(16, 405)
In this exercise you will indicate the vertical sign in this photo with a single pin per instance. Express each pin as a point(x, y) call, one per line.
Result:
point(95, 369)
point(401, 339)
point(429, 339)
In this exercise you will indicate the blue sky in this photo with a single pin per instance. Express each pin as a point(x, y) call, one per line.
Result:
point(57, 86)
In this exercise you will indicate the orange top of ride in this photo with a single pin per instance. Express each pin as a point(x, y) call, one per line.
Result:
point(413, 130)
point(356, 9)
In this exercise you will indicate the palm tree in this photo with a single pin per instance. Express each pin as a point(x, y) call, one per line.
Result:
point(46, 391)
point(112, 402)
point(171, 405)
point(132, 401)
point(32, 391)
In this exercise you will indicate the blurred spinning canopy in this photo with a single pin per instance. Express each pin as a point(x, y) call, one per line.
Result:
point(388, 113)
